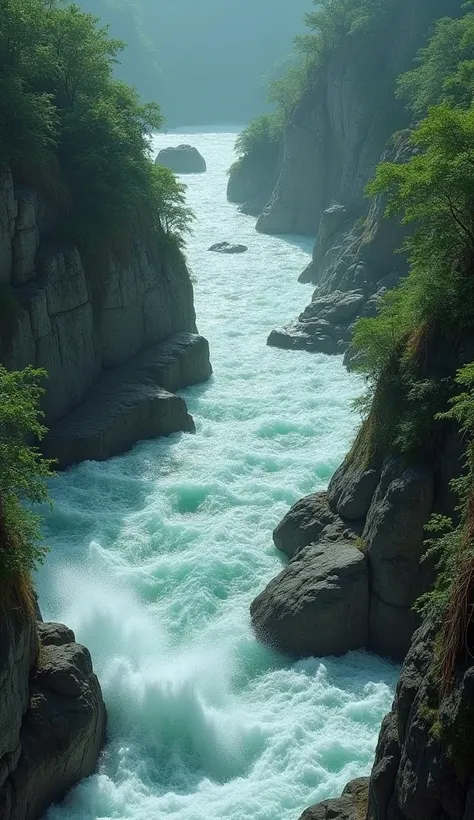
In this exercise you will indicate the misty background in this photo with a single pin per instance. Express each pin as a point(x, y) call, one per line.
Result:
point(204, 61)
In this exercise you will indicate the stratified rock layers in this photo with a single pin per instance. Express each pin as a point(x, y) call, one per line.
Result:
point(86, 325)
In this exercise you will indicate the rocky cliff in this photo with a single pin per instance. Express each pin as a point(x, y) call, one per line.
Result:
point(52, 715)
point(424, 766)
point(85, 324)
point(354, 571)
point(336, 136)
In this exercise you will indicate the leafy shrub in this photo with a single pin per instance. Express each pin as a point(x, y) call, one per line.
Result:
point(61, 108)
point(23, 473)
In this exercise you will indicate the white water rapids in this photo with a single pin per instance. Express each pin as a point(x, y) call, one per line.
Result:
point(157, 554)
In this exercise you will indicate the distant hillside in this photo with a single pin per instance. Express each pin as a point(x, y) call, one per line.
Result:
point(203, 62)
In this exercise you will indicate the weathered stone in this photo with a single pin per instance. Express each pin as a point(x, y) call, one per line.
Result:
point(391, 628)
point(226, 247)
point(18, 648)
point(69, 355)
point(51, 634)
point(252, 179)
point(352, 805)
point(351, 490)
point(18, 346)
point(183, 159)
point(322, 327)
point(74, 325)
point(318, 605)
point(8, 213)
point(129, 403)
point(62, 732)
point(336, 308)
point(394, 532)
point(65, 280)
point(26, 237)
point(36, 302)
point(303, 524)
point(423, 771)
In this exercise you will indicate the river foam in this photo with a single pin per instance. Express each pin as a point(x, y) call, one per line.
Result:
point(156, 556)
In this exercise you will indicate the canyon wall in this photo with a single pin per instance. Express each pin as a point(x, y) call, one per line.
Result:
point(85, 323)
point(52, 715)
point(339, 131)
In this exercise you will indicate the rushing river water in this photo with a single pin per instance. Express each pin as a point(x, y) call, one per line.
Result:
point(156, 556)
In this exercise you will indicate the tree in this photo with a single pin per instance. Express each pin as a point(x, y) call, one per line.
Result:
point(23, 474)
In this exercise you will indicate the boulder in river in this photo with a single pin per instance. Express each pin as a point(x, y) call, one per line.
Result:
point(182, 159)
point(226, 247)
point(307, 521)
point(318, 605)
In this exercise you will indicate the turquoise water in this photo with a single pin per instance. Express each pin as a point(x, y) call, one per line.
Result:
point(156, 556)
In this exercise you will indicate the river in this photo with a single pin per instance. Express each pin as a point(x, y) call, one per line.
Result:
point(156, 555)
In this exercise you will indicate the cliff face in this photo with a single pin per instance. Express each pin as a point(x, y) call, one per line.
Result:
point(423, 766)
point(337, 135)
point(77, 324)
point(51, 713)
point(341, 125)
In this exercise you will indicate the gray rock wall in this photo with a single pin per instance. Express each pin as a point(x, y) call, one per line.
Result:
point(77, 319)
point(52, 716)
point(372, 520)
point(74, 322)
point(339, 129)
point(423, 764)
point(337, 135)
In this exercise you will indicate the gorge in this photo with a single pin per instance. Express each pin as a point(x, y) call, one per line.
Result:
point(231, 678)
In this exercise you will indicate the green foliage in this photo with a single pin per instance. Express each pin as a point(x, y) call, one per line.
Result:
point(61, 109)
point(334, 25)
point(445, 68)
point(23, 472)
point(262, 132)
point(434, 189)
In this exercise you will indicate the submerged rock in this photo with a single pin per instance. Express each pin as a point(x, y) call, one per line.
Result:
point(318, 605)
point(182, 159)
point(226, 247)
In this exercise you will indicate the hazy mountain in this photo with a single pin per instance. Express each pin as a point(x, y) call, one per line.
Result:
point(205, 62)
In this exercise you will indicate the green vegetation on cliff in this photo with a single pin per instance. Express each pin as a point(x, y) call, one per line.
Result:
point(357, 28)
point(79, 135)
point(23, 472)
point(413, 350)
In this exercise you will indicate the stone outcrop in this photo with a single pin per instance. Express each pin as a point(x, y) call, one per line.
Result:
point(339, 131)
point(252, 179)
point(182, 159)
point(131, 403)
point(52, 716)
point(423, 766)
point(341, 125)
point(226, 247)
point(318, 605)
point(84, 323)
point(352, 805)
point(355, 549)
